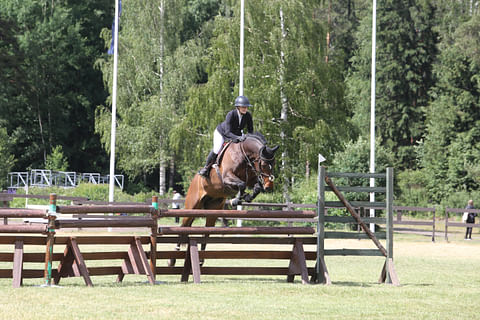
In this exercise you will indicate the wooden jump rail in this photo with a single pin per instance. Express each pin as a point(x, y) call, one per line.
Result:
point(237, 235)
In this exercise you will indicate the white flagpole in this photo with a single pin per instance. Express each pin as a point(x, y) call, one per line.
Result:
point(372, 109)
point(240, 87)
point(242, 19)
point(114, 108)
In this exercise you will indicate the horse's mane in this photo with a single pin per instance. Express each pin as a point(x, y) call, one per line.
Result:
point(257, 135)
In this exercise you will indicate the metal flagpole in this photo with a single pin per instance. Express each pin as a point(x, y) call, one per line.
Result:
point(114, 107)
point(372, 109)
point(240, 86)
point(242, 19)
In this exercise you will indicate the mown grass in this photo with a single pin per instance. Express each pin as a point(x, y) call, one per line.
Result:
point(438, 281)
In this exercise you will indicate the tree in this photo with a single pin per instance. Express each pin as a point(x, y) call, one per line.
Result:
point(317, 113)
point(406, 49)
point(450, 151)
point(7, 159)
point(60, 88)
point(56, 160)
point(154, 75)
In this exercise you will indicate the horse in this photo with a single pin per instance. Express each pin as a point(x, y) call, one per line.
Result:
point(242, 165)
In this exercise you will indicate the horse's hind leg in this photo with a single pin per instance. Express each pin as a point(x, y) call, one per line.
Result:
point(186, 222)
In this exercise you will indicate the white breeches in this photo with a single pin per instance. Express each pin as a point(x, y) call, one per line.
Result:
point(217, 141)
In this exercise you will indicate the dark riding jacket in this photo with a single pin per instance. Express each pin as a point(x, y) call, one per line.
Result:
point(231, 128)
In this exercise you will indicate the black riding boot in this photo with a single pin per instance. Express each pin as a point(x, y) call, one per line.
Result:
point(210, 161)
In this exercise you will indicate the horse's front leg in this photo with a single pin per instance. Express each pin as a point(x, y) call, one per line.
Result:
point(233, 182)
point(257, 189)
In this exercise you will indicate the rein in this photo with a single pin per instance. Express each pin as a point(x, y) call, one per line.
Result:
point(258, 172)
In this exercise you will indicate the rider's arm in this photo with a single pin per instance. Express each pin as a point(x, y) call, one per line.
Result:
point(249, 122)
point(228, 126)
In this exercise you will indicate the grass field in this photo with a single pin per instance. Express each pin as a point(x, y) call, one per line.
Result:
point(438, 281)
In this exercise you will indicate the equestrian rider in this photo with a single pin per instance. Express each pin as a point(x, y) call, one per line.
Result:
point(230, 129)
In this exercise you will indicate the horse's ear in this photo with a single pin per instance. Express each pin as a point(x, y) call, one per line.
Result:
point(272, 150)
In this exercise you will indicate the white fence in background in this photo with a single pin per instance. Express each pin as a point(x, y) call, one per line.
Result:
point(65, 179)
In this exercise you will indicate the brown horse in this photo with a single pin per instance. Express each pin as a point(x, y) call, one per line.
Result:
point(247, 164)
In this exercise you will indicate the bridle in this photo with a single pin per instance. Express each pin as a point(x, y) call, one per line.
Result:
point(257, 168)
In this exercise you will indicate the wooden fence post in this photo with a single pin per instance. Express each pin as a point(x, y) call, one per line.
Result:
point(321, 272)
point(153, 237)
point(52, 214)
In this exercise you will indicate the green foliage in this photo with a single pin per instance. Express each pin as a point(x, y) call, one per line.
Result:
point(53, 102)
point(449, 154)
point(356, 158)
point(7, 159)
point(56, 160)
point(406, 49)
point(412, 189)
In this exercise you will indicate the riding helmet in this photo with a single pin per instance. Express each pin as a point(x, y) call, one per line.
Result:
point(242, 101)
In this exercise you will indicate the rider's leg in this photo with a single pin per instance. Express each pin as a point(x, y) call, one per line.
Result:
point(212, 156)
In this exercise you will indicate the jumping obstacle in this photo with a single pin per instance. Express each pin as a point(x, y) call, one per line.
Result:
point(293, 237)
point(388, 274)
point(136, 260)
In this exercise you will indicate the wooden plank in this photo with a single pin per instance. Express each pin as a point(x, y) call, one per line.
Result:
point(408, 208)
point(195, 261)
point(241, 214)
point(392, 273)
point(239, 240)
point(22, 213)
point(352, 235)
point(275, 271)
point(356, 204)
point(297, 264)
point(460, 210)
point(27, 240)
point(113, 223)
point(236, 230)
point(359, 189)
point(80, 262)
point(104, 271)
point(7, 273)
point(346, 219)
point(103, 240)
point(463, 224)
point(18, 264)
point(355, 175)
point(106, 209)
point(65, 267)
point(236, 254)
point(414, 223)
point(353, 252)
point(144, 261)
point(23, 228)
point(32, 273)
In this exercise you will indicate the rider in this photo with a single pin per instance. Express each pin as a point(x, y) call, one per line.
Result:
point(230, 129)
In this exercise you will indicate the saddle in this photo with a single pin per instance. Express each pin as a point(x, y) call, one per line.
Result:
point(222, 152)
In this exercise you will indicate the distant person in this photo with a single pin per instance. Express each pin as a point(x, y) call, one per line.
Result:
point(469, 217)
point(176, 205)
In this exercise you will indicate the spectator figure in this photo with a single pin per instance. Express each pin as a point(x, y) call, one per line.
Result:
point(469, 217)
point(176, 205)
